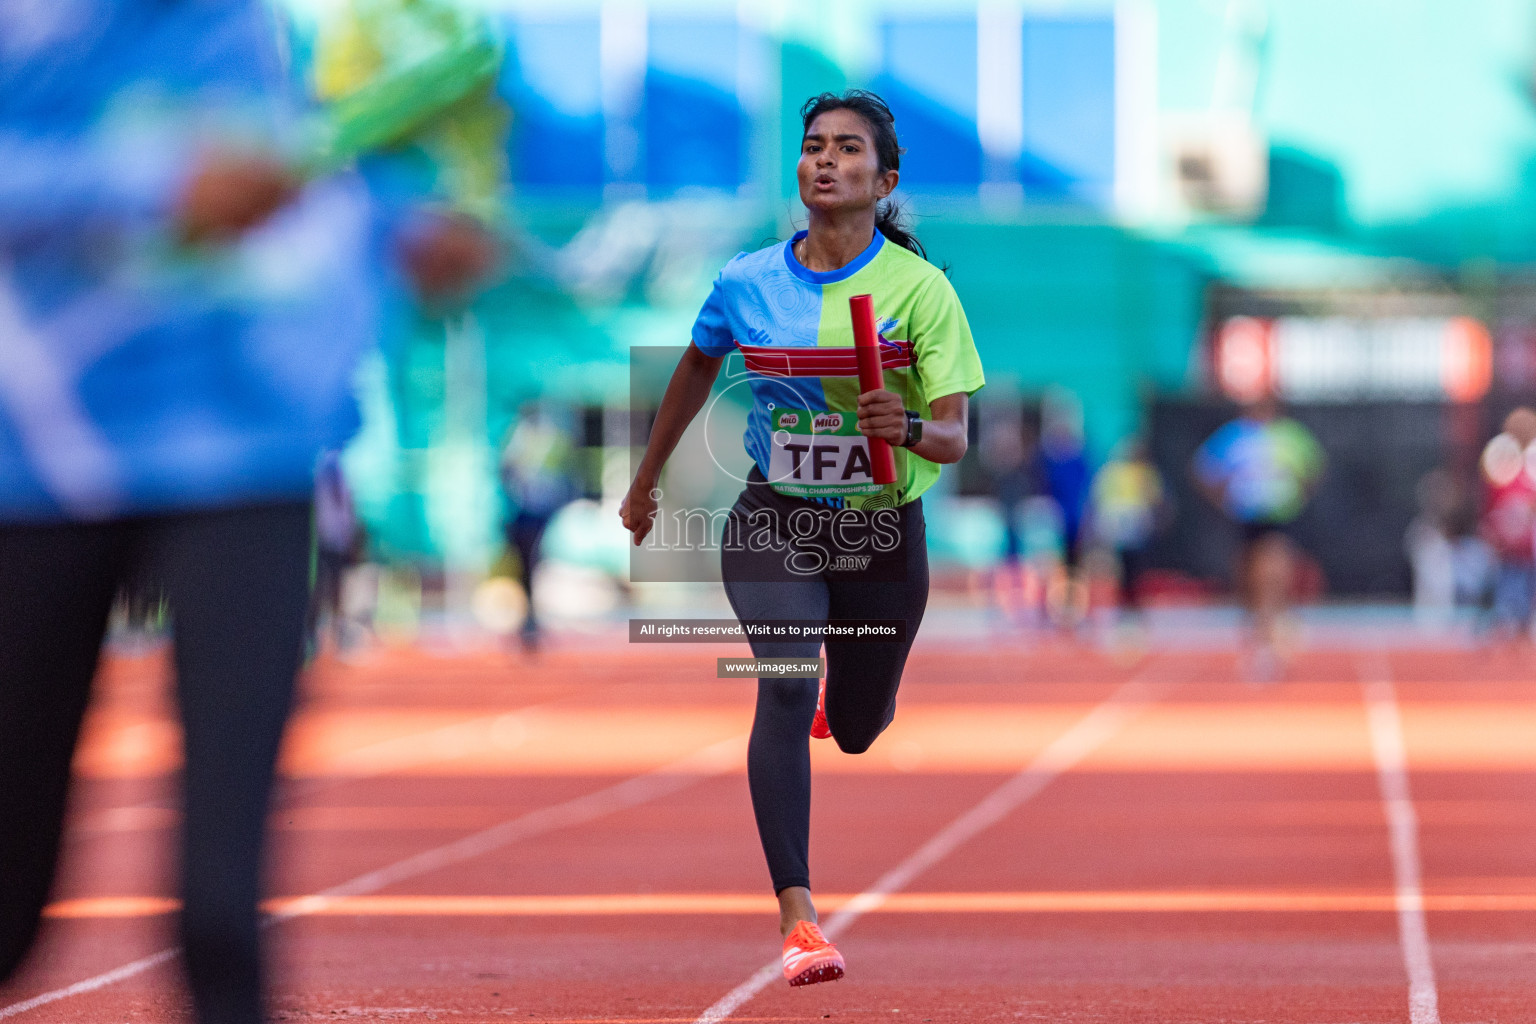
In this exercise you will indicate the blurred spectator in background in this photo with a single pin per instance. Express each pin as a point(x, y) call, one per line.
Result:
point(182, 303)
point(1067, 477)
point(1454, 567)
point(1509, 521)
point(1009, 452)
point(539, 478)
point(1476, 571)
point(1064, 466)
point(1128, 506)
point(1431, 548)
point(1261, 469)
point(338, 540)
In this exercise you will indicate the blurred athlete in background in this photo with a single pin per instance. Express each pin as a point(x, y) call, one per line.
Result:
point(1261, 469)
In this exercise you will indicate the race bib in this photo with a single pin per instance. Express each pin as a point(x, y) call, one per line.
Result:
point(819, 455)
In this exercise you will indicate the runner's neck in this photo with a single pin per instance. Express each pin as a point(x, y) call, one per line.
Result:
point(833, 244)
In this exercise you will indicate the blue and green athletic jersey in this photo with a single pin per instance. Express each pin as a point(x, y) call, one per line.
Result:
point(1265, 470)
point(794, 332)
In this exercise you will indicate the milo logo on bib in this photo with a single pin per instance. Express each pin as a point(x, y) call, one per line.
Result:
point(821, 455)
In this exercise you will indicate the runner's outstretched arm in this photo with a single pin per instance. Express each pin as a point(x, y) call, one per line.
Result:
point(686, 392)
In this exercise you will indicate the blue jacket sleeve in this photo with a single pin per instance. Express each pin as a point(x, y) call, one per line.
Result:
point(70, 179)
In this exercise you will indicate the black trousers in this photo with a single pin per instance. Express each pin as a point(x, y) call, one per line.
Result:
point(779, 574)
point(237, 582)
point(525, 535)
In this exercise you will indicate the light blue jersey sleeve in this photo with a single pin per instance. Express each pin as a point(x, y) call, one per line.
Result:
point(712, 330)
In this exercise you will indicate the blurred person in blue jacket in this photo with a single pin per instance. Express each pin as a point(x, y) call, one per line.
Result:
point(182, 301)
point(1064, 466)
point(1067, 478)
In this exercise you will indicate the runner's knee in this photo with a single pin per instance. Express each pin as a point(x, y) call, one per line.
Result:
point(855, 744)
point(857, 737)
point(785, 700)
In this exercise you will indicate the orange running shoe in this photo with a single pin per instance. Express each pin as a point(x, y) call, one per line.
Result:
point(819, 728)
point(809, 957)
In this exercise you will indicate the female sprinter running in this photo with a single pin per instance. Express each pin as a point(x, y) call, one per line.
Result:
point(813, 536)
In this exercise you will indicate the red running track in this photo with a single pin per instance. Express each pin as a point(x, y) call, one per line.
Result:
point(1042, 835)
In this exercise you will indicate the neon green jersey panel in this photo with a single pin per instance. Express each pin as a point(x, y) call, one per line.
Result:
point(914, 302)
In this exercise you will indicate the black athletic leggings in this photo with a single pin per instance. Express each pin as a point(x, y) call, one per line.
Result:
point(772, 564)
point(237, 581)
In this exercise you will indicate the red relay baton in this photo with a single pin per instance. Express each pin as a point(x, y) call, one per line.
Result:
point(866, 347)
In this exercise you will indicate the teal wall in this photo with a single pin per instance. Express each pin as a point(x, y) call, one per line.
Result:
point(1092, 308)
point(1424, 107)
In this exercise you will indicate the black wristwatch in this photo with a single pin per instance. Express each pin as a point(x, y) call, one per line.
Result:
point(914, 430)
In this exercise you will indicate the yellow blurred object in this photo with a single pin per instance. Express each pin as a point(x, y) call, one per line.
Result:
point(417, 74)
point(346, 58)
point(499, 604)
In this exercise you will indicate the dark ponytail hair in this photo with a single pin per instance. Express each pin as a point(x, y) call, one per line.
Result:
point(882, 124)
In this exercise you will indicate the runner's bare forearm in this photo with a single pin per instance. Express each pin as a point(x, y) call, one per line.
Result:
point(685, 396)
point(944, 432)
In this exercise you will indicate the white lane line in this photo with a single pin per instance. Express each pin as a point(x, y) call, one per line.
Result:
point(716, 759)
point(1060, 756)
point(1403, 828)
point(711, 761)
point(79, 988)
